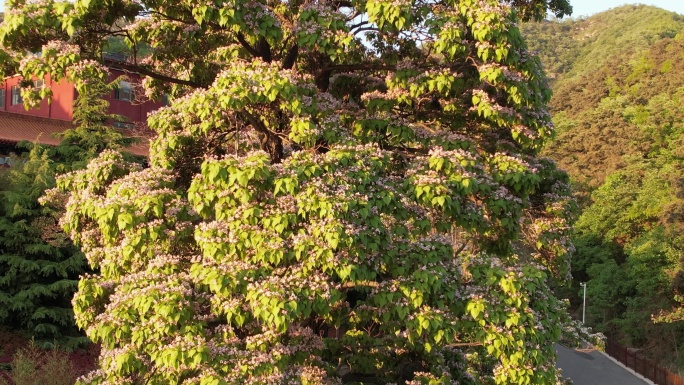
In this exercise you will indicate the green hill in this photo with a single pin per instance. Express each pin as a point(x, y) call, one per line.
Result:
point(618, 105)
point(609, 74)
point(576, 46)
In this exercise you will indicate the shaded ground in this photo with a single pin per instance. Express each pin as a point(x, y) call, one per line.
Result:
point(589, 367)
point(83, 360)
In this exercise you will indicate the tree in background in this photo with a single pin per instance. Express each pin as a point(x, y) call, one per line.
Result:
point(339, 192)
point(39, 265)
point(630, 251)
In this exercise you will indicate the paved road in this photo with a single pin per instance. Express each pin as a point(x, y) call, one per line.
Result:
point(589, 367)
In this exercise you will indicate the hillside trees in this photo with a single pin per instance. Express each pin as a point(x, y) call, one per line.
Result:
point(629, 249)
point(610, 72)
point(339, 192)
point(637, 211)
point(620, 127)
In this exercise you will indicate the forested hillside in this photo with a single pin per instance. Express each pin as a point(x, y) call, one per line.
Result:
point(618, 82)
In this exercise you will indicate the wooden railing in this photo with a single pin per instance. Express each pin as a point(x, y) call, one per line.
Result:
point(642, 365)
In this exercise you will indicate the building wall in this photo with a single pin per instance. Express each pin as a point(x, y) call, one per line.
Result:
point(43, 110)
point(64, 94)
point(137, 109)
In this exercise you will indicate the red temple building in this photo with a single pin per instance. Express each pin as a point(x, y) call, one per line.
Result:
point(41, 124)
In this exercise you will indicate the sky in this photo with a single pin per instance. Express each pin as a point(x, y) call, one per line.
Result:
point(590, 7)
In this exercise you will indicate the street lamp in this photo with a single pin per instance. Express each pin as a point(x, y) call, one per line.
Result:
point(584, 302)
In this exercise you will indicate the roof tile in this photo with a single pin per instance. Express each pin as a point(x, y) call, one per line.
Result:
point(15, 128)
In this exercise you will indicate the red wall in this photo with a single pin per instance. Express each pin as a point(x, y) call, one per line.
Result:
point(63, 96)
point(43, 110)
point(137, 110)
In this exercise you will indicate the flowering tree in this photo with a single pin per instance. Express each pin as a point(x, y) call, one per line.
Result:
point(339, 192)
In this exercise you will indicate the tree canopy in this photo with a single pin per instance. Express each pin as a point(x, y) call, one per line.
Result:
point(339, 192)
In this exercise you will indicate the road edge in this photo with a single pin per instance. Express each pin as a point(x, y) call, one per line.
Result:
point(634, 372)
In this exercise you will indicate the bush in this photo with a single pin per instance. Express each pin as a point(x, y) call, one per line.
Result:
point(34, 366)
point(575, 334)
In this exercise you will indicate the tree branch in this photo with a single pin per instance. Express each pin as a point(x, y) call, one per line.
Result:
point(254, 122)
point(366, 29)
point(144, 71)
point(270, 142)
point(291, 57)
point(460, 249)
point(342, 4)
point(359, 24)
point(463, 344)
point(248, 47)
point(360, 67)
point(264, 50)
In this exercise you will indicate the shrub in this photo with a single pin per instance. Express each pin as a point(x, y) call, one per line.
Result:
point(34, 366)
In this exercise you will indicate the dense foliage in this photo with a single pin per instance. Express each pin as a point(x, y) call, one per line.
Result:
point(39, 265)
point(339, 192)
point(620, 126)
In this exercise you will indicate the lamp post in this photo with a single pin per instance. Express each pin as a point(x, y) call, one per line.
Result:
point(584, 302)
